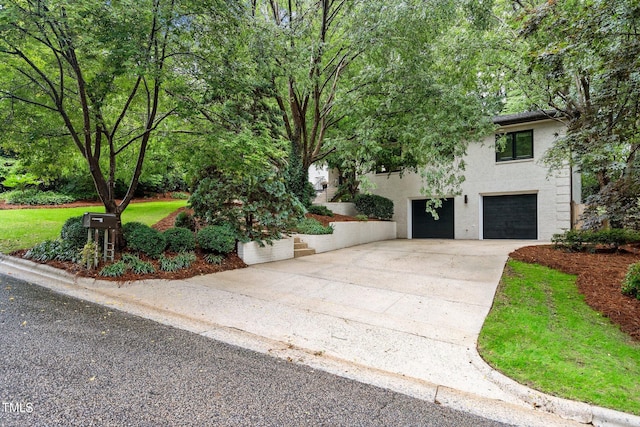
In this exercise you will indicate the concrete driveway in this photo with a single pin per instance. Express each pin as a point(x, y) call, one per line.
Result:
point(411, 308)
point(401, 314)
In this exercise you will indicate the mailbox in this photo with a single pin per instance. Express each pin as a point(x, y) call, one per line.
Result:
point(99, 221)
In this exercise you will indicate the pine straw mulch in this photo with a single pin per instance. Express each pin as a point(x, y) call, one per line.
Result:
point(599, 279)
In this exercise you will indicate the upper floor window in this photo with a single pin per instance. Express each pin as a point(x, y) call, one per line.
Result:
point(514, 146)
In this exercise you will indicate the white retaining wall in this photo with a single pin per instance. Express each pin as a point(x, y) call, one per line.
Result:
point(342, 208)
point(345, 234)
point(252, 253)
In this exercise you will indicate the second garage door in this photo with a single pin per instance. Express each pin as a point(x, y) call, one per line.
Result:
point(510, 216)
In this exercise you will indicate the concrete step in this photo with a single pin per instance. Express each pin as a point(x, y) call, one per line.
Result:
point(297, 253)
point(301, 248)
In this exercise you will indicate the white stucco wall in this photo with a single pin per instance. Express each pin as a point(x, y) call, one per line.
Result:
point(486, 177)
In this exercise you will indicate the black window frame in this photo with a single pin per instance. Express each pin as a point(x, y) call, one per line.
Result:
point(510, 143)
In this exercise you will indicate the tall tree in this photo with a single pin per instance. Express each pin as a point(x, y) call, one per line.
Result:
point(93, 74)
point(420, 94)
point(357, 78)
point(583, 55)
point(303, 49)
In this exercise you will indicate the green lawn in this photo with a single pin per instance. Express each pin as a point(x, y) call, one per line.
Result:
point(541, 333)
point(23, 228)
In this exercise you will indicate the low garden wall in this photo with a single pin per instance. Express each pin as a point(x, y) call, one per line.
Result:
point(342, 208)
point(345, 234)
point(252, 253)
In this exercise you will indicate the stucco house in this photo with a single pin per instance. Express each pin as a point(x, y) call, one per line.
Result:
point(507, 193)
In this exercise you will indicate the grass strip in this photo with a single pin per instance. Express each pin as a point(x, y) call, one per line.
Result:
point(541, 333)
point(24, 228)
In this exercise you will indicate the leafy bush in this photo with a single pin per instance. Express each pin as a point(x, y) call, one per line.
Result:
point(88, 255)
point(20, 181)
point(185, 220)
point(179, 195)
point(116, 269)
point(587, 240)
point(78, 187)
point(52, 250)
point(74, 233)
point(180, 239)
point(178, 262)
point(137, 265)
point(258, 207)
point(631, 282)
point(617, 204)
point(33, 196)
point(374, 206)
point(319, 210)
point(213, 258)
point(362, 217)
point(217, 238)
point(312, 226)
point(145, 239)
point(297, 179)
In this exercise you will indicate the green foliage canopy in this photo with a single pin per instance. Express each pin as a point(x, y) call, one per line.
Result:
point(581, 58)
point(91, 77)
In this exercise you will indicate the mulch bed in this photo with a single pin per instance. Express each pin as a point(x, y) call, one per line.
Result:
point(82, 203)
point(325, 220)
point(599, 279)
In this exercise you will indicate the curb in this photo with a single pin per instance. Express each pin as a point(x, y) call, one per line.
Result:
point(581, 412)
point(535, 411)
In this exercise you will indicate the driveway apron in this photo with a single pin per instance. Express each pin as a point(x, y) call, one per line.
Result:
point(410, 307)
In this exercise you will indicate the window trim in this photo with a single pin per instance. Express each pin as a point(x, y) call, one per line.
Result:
point(512, 142)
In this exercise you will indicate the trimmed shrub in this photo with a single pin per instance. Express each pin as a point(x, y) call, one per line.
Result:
point(586, 240)
point(361, 217)
point(631, 282)
point(185, 220)
point(74, 233)
point(312, 226)
point(374, 206)
point(130, 227)
point(217, 238)
point(145, 239)
point(180, 239)
point(319, 210)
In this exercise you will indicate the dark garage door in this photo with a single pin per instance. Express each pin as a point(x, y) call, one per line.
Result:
point(510, 217)
point(425, 227)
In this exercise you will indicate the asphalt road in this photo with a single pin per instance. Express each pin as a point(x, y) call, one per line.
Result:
point(68, 362)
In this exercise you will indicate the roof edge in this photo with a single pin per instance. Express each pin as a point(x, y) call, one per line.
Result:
point(526, 117)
